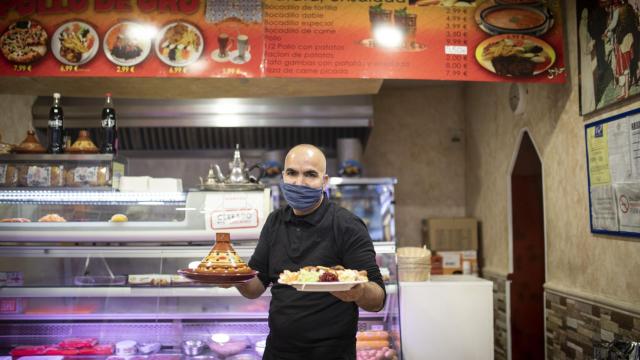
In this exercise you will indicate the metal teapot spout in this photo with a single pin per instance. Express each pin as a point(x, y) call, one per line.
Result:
point(219, 175)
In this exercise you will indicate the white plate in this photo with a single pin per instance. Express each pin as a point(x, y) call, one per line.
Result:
point(55, 43)
point(195, 55)
point(145, 44)
point(237, 60)
point(324, 286)
point(215, 55)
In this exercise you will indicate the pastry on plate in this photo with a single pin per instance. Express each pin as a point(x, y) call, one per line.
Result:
point(117, 218)
point(52, 218)
point(15, 220)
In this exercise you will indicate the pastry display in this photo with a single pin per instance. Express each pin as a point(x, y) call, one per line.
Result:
point(52, 218)
point(118, 218)
point(223, 259)
point(40, 176)
point(5, 148)
point(150, 279)
point(314, 274)
point(15, 220)
point(30, 145)
point(87, 176)
point(83, 145)
point(10, 176)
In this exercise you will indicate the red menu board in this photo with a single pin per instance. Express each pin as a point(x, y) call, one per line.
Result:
point(490, 40)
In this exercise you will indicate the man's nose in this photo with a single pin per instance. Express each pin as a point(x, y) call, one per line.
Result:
point(298, 180)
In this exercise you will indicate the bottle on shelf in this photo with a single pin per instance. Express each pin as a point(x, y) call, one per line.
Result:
point(109, 130)
point(55, 129)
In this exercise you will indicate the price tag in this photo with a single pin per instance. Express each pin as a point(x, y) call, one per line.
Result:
point(377, 327)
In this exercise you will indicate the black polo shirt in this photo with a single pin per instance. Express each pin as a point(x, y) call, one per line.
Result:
point(331, 235)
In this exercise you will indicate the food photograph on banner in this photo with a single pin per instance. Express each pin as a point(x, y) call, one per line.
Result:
point(477, 40)
point(133, 39)
point(609, 52)
point(463, 40)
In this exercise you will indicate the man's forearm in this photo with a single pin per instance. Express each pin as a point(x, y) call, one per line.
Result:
point(372, 297)
point(251, 289)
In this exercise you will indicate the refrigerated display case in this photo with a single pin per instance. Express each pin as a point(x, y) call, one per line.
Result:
point(90, 278)
point(372, 199)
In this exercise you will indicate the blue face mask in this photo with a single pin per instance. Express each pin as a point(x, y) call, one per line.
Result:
point(300, 197)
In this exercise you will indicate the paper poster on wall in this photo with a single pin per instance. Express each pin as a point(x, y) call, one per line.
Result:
point(628, 203)
point(609, 52)
point(613, 165)
point(597, 144)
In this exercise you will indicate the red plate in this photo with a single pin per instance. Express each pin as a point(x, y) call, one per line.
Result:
point(220, 279)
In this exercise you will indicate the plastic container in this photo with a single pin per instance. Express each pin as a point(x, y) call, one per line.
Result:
point(414, 264)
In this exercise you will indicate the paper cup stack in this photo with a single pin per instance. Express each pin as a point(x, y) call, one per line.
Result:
point(414, 263)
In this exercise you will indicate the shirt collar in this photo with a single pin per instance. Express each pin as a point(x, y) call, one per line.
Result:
point(314, 218)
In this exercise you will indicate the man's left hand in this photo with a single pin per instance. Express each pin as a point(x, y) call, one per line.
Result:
point(352, 295)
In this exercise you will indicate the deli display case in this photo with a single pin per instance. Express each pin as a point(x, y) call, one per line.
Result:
point(113, 288)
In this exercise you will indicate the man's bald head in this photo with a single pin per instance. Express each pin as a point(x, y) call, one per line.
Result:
point(305, 165)
point(309, 154)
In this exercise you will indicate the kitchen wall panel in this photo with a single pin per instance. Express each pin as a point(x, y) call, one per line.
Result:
point(418, 137)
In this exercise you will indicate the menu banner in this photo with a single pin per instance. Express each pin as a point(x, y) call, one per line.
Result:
point(491, 40)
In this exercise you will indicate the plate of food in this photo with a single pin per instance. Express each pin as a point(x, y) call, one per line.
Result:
point(515, 55)
point(75, 43)
point(179, 44)
point(323, 279)
point(24, 42)
point(127, 43)
point(515, 19)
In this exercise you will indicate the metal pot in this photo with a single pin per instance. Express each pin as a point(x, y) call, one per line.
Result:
point(192, 347)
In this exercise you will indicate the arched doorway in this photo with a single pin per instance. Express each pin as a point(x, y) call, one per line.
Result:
point(527, 262)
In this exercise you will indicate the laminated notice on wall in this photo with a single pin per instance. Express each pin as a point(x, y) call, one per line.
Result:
point(628, 203)
point(613, 165)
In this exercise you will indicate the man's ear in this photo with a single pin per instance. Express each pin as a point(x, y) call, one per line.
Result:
point(325, 181)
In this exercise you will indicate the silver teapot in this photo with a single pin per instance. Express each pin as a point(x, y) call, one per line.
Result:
point(238, 173)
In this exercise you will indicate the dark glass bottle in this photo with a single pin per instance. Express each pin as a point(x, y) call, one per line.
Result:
point(55, 129)
point(109, 128)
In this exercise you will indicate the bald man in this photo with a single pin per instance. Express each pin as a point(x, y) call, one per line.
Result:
point(312, 231)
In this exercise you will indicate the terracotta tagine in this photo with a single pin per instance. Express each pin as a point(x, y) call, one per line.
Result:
point(30, 145)
point(223, 259)
point(83, 145)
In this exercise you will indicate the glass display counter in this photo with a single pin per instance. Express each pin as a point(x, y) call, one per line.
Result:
point(92, 278)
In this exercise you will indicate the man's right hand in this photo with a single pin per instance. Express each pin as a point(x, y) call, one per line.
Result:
point(251, 289)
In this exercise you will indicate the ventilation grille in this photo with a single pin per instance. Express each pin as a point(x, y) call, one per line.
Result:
point(190, 139)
